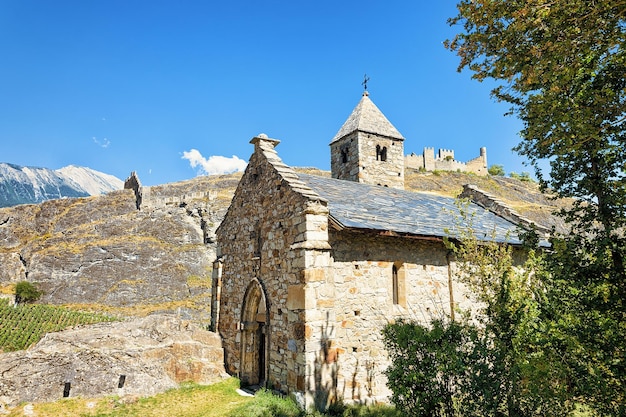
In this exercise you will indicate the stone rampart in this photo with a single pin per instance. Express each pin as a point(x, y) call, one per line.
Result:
point(444, 161)
point(150, 200)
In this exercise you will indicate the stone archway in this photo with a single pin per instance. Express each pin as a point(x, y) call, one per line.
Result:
point(254, 336)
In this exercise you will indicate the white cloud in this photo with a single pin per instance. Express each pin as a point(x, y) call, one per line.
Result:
point(214, 164)
point(104, 143)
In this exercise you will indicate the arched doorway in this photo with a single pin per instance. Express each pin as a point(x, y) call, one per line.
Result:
point(254, 336)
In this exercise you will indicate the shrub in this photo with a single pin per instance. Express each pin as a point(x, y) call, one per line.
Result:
point(429, 365)
point(25, 292)
point(496, 170)
point(524, 176)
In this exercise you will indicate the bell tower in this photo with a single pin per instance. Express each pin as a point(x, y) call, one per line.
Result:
point(368, 148)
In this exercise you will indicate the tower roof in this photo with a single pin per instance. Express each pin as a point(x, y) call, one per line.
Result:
point(366, 117)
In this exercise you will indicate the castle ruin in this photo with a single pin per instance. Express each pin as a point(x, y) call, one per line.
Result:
point(444, 161)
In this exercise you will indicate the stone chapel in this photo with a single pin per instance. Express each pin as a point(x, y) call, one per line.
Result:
point(311, 268)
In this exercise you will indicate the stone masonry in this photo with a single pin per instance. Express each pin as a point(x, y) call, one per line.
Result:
point(301, 306)
point(274, 239)
point(368, 148)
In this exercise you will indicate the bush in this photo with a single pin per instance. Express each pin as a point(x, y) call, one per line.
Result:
point(428, 367)
point(496, 170)
point(25, 292)
point(524, 176)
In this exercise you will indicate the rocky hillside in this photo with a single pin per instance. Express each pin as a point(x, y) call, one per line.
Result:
point(104, 253)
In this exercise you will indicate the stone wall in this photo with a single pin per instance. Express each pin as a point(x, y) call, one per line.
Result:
point(344, 158)
point(373, 170)
point(497, 206)
point(273, 222)
point(149, 200)
point(350, 341)
point(444, 161)
point(364, 164)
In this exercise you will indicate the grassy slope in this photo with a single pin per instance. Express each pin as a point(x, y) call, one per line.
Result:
point(525, 198)
point(188, 401)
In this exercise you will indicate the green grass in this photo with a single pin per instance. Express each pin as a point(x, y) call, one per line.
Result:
point(25, 324)
point(191, 400)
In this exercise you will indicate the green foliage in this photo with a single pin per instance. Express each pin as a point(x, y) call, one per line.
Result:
point(25, 292)
point(268, 405)
point(496, 170)
point(583, 309)
point(508, 367)
point(25, 324)
point(429, 366)
point(561, 66)
point(524, 176)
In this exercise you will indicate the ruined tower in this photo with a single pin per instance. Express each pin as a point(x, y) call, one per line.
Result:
point(368, 148)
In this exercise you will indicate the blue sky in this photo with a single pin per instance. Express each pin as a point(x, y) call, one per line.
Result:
point(162, 87)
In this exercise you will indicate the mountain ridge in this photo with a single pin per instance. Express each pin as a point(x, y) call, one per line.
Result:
point(32, 185)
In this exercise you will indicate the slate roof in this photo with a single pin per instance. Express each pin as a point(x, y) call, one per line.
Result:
point(354, 205)
point(366, 117)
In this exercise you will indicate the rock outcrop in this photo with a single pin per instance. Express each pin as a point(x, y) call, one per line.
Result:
point(142, 357)
point(103, 253)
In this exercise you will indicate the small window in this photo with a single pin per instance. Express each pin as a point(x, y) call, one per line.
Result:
point(344, 154)
point(398, 285)
point(257, 240)
point(394, 277)
point(381, 153)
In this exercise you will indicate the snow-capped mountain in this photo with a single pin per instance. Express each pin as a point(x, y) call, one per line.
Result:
point(28, 185)
point(94, 182)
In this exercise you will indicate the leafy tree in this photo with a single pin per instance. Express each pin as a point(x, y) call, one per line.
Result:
point(496, 170)
point(25, 292)
point(512, 371)
point(561, 66)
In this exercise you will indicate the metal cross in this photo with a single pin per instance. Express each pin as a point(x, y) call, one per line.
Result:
point(365, 80)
